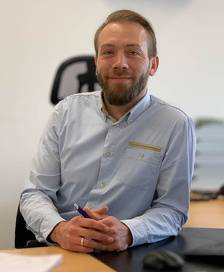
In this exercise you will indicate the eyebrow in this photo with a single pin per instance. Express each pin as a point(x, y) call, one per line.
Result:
point(128, 45)
point(107, 44)
point(133, 45)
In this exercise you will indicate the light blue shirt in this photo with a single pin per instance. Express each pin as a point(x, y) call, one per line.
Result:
point(140, 167)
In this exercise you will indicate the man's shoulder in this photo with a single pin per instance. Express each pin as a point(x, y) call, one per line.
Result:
point(168, 109)
point(79, 99)
point(82, 96)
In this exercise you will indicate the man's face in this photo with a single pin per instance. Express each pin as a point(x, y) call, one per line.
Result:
point(123, 63)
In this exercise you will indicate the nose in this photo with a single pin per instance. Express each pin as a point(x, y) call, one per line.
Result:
point(120, 61)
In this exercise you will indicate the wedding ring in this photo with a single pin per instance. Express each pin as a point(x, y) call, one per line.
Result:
point(82, 241)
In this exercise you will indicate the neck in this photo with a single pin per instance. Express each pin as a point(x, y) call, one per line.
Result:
point(118, 111)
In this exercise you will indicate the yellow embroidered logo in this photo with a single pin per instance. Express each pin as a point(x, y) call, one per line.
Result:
point(145, 146)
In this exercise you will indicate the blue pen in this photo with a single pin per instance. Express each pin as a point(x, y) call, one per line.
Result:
point(81, 211)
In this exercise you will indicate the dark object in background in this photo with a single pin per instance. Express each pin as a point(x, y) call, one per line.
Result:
point(197, 195)
point(209, 164)
point(74, 75)
point(163, 259)
point(24, 237)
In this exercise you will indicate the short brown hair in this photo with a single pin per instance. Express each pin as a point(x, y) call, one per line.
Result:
point(129, 16)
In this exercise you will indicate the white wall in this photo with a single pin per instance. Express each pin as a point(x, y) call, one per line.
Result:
point(36, 35)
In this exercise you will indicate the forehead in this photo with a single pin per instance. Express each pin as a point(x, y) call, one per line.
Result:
point(123, 33)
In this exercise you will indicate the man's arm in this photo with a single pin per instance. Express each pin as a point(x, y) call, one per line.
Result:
point(39, 213)
point(37, 199)
point(170, 206)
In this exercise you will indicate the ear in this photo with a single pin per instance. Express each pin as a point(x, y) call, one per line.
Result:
point(95, 60)
point(154, 65)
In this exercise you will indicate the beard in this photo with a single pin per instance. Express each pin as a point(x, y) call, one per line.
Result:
point(122, 94)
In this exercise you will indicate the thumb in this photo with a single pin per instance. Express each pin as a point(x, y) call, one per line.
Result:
point(102, 210)
point(97, 213)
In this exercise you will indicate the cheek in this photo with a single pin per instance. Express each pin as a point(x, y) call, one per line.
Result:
point(103, 68)
point(138, 70)
point(141, 68)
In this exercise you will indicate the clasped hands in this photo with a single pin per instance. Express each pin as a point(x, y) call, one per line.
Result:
point(99, 232)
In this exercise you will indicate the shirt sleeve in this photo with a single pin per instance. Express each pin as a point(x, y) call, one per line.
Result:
point(40, 193)
point(169, 209)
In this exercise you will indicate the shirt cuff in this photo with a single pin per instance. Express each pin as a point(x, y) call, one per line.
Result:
point(47, 227)
point(138, 231)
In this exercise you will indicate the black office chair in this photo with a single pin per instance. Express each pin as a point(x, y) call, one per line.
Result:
point(74, 75)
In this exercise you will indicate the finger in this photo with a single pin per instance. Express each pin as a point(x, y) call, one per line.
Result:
point(116, 246)
point(90, 243)
point(109, 221)
point(81, 249)
point(98, 213)
point(86, 246)
point(92, 214)
point(74, 244)
point(93, 224)
point(102, 210)
point(96, 235)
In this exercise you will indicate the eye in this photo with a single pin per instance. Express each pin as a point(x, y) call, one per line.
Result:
point(107, 52)
point(132, 52)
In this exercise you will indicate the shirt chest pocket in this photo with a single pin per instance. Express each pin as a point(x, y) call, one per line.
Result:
point(139, 167)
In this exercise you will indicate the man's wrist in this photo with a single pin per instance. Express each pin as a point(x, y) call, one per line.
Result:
point(55, 233)
point(128, 235)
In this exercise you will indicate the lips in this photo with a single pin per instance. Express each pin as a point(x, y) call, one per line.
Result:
point(119, 77)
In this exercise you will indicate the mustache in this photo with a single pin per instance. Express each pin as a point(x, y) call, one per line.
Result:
point(120, 72)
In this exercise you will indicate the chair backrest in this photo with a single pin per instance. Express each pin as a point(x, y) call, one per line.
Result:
point(74, 75)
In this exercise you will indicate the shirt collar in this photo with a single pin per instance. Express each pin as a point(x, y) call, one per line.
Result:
point(139, 108)
point(131, 115)
point(105, 112)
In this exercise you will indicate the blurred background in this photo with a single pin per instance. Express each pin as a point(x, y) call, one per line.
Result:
point(37, 35)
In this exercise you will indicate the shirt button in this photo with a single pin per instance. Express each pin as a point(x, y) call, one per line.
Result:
point(107, 154)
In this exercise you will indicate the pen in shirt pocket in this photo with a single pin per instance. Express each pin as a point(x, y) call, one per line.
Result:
point(80, 210)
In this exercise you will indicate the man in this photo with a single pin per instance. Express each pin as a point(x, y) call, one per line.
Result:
point(124, 155)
